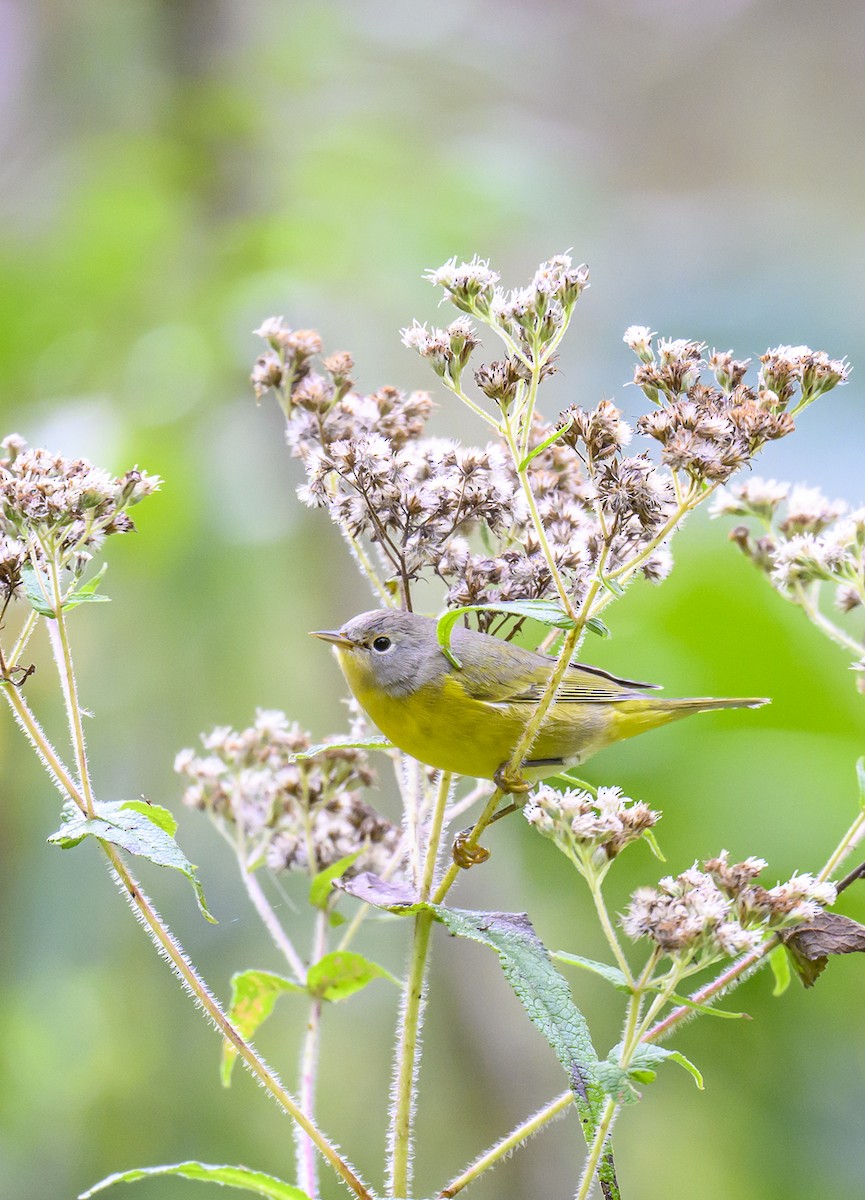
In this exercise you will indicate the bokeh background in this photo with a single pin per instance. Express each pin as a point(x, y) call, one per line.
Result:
point(173, 172)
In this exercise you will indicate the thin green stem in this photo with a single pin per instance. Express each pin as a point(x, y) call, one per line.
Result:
point(402, 1108)
point(69, 687)
point(271, 922)
point(51, 760)
point(812, 611)
point(595, 889)
point(435, 834)
point(457, 390)
point(596, 1149)
point(506, 1145)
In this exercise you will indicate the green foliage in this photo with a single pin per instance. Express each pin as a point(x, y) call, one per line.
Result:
point(242, 1178)
point(136, 826)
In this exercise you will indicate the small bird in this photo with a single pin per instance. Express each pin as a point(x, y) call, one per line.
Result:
point(468, 720)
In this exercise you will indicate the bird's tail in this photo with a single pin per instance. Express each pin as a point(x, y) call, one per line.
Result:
point(639, 716)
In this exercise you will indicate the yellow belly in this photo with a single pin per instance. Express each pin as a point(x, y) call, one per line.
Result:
point(445, 728)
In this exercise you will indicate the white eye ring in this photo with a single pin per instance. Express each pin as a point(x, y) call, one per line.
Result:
point(382, 644)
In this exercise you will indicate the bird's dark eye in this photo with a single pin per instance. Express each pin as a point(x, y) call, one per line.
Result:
point(381, 644)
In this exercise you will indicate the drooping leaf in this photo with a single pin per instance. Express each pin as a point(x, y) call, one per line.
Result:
point(135, 826)
point(320, 889)
point(341, 973)
point(237, 1177)
point(809, 945)
point(253, 995)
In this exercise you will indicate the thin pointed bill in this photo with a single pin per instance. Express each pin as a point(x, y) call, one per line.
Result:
point(331, 635)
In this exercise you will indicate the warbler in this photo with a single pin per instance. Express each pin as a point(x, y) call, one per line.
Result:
point(469, 719)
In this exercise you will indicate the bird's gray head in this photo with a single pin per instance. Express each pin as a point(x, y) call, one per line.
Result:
point(399, 651)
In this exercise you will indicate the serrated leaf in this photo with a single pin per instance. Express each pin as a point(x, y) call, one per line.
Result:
point(321, 887)
point(253, 995)
point(779, 961)
point(526, 964)
point(612, 974)
point(341, 973)
point(135, 826)
point(369, 743)
point(238, 1177)
point(546, 443)
point(160, 816)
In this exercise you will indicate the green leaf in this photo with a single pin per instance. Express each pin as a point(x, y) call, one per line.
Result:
point(596, 625)
point(526, 963)
point(546, 443)
point(779, 961)
point(320, 889)
point(653, 844)
point(35, 594)
point(135, 826)
point(238, 1177)
point(341, 973)
point(619, 1081)
point(87, 592)
point(707, 1009)
point(612, 974)
point(368, 743)
point(612, 585)
point(547, 612)
point(253, 995)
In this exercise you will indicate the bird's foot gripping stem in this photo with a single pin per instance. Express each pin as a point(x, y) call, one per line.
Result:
point(509, 780)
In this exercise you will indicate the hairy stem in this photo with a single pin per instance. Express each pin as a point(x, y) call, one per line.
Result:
point(170, 948)
point(408, 1061)
point(507, 1145)
point(307, 1163)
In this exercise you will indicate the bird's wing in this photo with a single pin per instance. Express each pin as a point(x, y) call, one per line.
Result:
point(581, 685)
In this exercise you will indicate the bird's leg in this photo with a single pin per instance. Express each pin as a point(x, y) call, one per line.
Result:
point(466, 852)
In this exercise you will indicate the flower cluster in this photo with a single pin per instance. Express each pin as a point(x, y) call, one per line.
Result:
point(531, 317)
point(59, 508)
point(581, 823)
point(806, 544)
point(710, 432)
point(292, 813)
point(568, 499)
point(720, 911)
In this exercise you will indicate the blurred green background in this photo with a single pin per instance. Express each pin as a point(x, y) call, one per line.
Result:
point(174, 172)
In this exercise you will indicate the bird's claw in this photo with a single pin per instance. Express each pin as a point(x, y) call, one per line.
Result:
point(466, 855)
point(509, 780)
